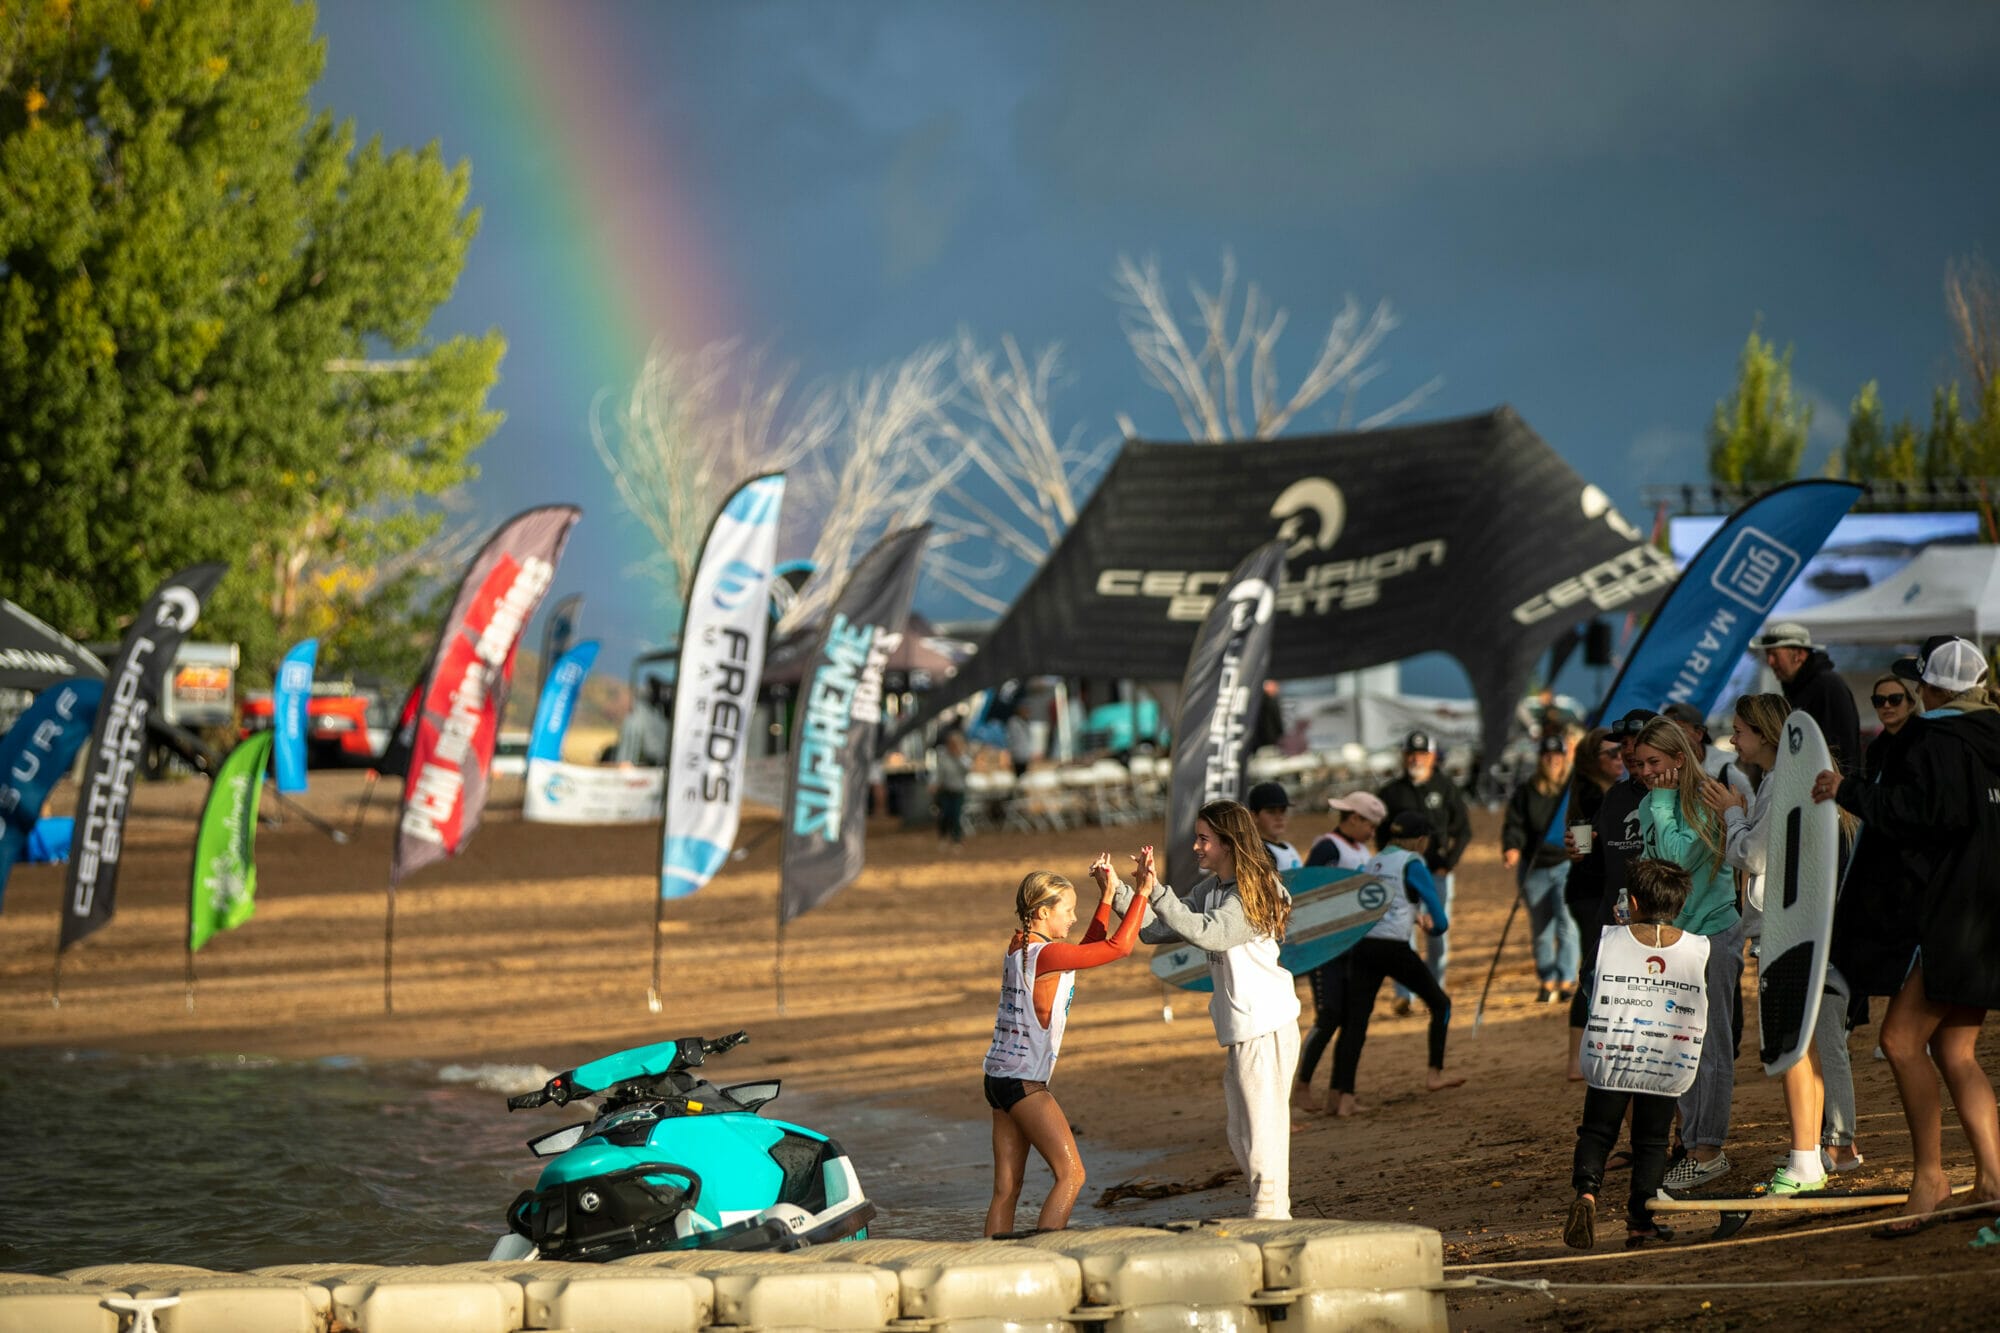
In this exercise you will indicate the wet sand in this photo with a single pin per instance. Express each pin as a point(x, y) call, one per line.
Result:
point(535, 946)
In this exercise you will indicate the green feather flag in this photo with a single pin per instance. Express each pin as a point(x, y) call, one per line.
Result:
point(225, 863)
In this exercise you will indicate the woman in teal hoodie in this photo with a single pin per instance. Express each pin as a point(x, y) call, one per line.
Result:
point(1676, 825)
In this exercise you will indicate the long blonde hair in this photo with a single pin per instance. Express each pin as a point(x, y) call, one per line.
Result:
point(1665, 735)
point(1265, 906)
point(1764, 714)
point(1553, 786)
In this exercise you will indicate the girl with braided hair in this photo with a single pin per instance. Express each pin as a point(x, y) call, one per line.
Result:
point(1037, 982)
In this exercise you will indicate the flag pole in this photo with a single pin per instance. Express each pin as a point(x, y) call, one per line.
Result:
point(192, 890)
point(361, 807)
point(55, 985)
point(337, 834)
point(389, 952)
point(659, 929)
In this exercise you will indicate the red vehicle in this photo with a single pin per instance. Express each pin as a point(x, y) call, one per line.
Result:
point(343, 722)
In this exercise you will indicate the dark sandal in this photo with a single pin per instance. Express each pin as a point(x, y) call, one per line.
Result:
point(1905, 1227)
point(1618, 1161)
point(1658, 1235)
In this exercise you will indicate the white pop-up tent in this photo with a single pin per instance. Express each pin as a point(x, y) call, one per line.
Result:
point(1945, 590)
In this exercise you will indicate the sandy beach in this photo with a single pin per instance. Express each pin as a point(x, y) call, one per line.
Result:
point(534, 946)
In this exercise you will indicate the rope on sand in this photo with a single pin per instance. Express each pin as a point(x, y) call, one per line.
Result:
point(1544, 1287)
point(1652, 1252)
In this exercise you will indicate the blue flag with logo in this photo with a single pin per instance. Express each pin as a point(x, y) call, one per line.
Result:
point(34, 754)
point(558, 701)
point(1705, 622)
point(288, 715)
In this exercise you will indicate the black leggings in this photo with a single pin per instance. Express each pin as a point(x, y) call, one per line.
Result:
point(1603, 1115)
point(1373, 960)
point(1329, 991)
point(1589, 932)
point(951, 815)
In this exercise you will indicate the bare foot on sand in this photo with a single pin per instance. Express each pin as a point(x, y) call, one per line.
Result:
point(1439, 1081)
point(1303, 1099)
point(1347, 1106)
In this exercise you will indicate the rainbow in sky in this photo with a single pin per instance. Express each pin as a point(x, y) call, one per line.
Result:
point(558, 83)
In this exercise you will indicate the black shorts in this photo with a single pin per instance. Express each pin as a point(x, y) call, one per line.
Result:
point(1003, 1093)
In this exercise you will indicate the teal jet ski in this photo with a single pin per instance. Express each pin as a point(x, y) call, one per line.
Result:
point(673, 1162)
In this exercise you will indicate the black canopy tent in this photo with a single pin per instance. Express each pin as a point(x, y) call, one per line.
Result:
point(1470, 536)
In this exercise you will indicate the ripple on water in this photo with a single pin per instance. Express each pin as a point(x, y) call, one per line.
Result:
point(238, 1162)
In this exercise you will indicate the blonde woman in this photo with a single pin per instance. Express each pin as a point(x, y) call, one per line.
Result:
point(1238, 913)
point(1037, 981)
point(1676, 825)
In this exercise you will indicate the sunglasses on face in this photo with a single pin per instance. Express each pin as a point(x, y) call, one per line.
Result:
point(1888, 700)
point(1628, 728)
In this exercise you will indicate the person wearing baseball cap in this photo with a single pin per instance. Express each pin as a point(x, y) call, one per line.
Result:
point(1348, 847)
point(1943, 797)
point(1272, 809)
point(1541, 868)
point(1810, 683)
point(1385, 952)
point(1426, 790)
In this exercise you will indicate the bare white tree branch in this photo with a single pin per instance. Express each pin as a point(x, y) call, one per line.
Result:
point(1207, 387)
point(694, 427)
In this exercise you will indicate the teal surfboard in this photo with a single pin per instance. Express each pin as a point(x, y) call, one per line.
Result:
point(1331, 910)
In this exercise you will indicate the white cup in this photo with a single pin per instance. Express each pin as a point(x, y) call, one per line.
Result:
point(1581, 835)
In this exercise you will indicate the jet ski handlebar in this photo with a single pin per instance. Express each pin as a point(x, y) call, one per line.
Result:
point(645, 1062)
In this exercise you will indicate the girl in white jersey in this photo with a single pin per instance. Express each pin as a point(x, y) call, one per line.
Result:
point(1036, 984)
point(1238, 915)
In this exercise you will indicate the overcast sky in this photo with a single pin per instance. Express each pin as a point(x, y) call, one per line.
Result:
point(1578, 209)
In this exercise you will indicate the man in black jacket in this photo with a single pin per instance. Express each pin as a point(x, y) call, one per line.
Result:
point(1424, 789)
point(1806, 675)
point(1946, 817)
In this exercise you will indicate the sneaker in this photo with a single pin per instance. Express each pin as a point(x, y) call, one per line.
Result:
point(1851, 1164)
point(1689, 1174)
point(1783, 1183)
point(1580, 1231)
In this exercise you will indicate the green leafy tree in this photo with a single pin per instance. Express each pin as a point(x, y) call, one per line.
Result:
point(1758, 434)
point(212, 314)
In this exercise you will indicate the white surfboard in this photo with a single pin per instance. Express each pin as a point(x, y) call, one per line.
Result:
point(1331, 910)
point(1801, 881)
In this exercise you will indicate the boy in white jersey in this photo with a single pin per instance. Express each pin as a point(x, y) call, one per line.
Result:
point(1641, 1048)
point(1385, 952)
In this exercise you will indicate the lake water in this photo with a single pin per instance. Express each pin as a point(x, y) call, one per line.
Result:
point(235, 1162)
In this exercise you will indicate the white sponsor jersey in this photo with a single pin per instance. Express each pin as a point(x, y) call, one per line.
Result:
point(1648, 1014)
point(1022, 1047)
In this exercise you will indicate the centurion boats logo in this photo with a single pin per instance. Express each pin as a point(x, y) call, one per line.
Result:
point(1311, 515)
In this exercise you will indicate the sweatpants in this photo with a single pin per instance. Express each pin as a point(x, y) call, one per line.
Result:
point(1257, 1089)
point(1830, 1040)
point(1328, 983)
point(1436, 948)
point(1603, 1116)
point(1705, 1106)
point(1375, 959)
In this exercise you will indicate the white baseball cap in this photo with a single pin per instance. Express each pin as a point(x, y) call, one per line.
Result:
point(1365, 804)
point(1945, 664)
point(1783, 634)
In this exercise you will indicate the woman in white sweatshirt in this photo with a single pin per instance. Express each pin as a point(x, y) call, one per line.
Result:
point(1238, 913)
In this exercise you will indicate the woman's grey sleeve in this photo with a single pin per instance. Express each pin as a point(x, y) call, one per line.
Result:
point(1222, 927)
point(1747, 838)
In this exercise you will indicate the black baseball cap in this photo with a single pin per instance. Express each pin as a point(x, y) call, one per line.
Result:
point(1268, 796)
point(1633, 722)
point(1552, 744)
point(1408, 824)
point(1420, 742)
point(1689, 714)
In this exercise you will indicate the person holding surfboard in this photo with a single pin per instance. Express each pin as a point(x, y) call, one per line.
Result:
point(1037, 982)
point(1385, 952)
point(1237, 914)
point(1349, 846)
point(1640, 1049)
point(1676, 825)
point(1819, 1088)
point(1944, 807)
